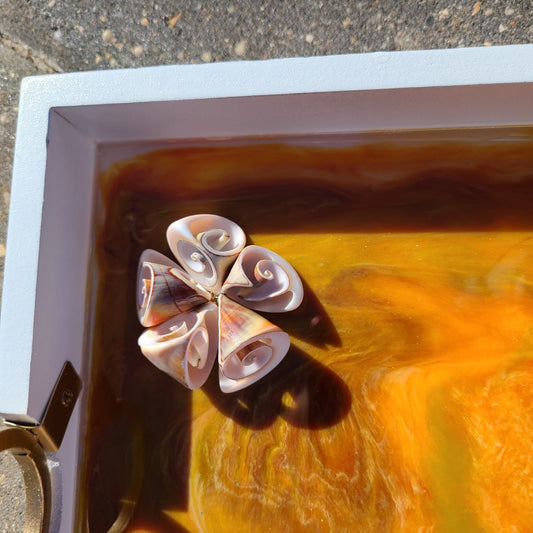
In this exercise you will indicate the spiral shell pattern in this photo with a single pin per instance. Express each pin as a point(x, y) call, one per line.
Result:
point(206, 245)
point(179, 304)
point(262, 280)
point(250, 346)
point(185, 345)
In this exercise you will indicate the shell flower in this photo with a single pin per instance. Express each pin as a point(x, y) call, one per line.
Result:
point(203, 307)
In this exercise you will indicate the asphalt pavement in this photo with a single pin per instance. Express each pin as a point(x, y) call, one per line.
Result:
point(41, 37)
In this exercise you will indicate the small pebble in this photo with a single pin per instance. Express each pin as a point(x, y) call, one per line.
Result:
point(443, 14)
point(501, 28)
point(509, 11)
point(173, 20)
point(107, 36)
point(138, 50)
point(346, 22)
point(51, 4)
point(240, 48)
point(477, 8)
point(2, 250)
point(309, 38)
point(144, 21)
point(207, 57)
point(488, 12)
point(113, 63)
point(7, 197)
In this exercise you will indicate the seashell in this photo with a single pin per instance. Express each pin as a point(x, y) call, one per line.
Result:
point(262, 280)
point(249, 346)
point(184, 346)
point(164, 289)
point(205, 246)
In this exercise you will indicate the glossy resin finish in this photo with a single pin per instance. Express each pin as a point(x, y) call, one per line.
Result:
point(405, 401)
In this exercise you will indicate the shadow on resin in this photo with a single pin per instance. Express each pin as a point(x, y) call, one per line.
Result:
point(300, 389)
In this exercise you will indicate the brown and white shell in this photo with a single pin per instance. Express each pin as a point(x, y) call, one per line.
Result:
point(262, 280)
point(185, 346)
point(164, 289)
point(249, 346)
point(206, 246)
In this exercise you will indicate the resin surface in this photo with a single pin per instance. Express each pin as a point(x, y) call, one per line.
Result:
point(406, 400)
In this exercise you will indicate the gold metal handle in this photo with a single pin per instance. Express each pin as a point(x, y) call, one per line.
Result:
point(29, 444)
point(25, 448)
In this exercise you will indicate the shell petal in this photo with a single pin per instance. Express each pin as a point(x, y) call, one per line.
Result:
point(249, 347)
point(164, 289)
point(262, 280)
point(206, 246)
point(184, 346)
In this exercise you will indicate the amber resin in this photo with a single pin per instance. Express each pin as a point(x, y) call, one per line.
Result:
point(406, 400)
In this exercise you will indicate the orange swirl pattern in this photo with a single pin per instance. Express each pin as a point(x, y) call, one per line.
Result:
point(406, 400)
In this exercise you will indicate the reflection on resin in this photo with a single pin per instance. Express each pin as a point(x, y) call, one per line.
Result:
point(406, 400)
